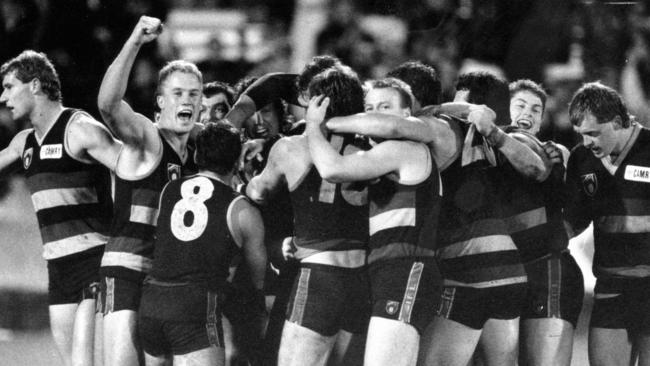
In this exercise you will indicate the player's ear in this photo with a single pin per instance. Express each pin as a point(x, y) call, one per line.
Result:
point(160, 101)
point(617, 122)
point(35, 85)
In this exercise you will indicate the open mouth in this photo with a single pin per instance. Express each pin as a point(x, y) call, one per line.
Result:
point(185, 115)
point(525, 124)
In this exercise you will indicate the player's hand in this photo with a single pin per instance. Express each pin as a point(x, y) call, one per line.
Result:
point(147, 29)
point(250, 150)
point(553, 153)
point(483, 118)
point(317, 109)
point(288, 248)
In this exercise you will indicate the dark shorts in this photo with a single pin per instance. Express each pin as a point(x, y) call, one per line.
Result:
point(327, 299)
point(555, 289)
point(474, 306)
point(75, 277)
point(168, 320)
point(118, 294)
point(407, 290)
point(622, 303)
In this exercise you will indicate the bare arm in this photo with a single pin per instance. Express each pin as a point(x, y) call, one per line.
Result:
point(425, 128)
point(88, 139)
point(262, 92)
point(263, 185)
point(519, 154)
point(11, 155)
point(332, 166)
point(132, 128)
point(246, 225)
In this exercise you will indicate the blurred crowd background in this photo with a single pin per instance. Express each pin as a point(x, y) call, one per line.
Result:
point(560, 43)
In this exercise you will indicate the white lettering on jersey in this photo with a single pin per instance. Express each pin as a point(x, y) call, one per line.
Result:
point(51, 151)
point(637, 173)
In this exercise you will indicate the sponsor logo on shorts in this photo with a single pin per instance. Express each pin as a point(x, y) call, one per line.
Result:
point(51, 151)
point(637, 173)
point(590, 184)
point(27, 158)
point(392, 307)
point(173, 171)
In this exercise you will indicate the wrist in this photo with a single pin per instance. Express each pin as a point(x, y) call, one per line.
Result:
point(496, 137)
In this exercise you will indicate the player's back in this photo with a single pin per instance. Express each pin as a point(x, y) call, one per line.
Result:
point(329, 216)
point(193, 241)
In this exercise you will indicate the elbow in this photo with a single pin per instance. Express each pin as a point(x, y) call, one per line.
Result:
point(106, 106)
point(332, 176)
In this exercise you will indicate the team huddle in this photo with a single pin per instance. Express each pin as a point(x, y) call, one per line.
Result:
point(390, 226)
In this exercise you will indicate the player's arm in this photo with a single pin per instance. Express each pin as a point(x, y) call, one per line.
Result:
point(263, 185)
point(263, 91)
point(577, 213)
point(10, 156)
point(381, 159)
point(426, 128)
point(246, 226)
point(519, 154)
point(132, 128)
point(86, 137)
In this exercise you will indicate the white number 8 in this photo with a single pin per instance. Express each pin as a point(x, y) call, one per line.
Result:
point(194, 192)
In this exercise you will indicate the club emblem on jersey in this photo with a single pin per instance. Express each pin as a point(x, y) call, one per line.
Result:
point(590, 184)
point(391, 307)
point(27, 158)
point(173, 171)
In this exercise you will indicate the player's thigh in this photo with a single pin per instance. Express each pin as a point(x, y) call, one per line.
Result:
point(499, 341)
point(447, 342)
point(302, 346)
point(609, 346)
point(546, 341)
point(348, 349)
point(84, 333)
point(121, 341)
point(391, 342)
point(211, 356)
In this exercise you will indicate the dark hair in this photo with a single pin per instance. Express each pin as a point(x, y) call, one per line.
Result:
point(217, 87)
point(278, 106)
point(218, 146)
point(30, 65)
point(601, 101)
point(486, 88)
point(401, 87)
point(344, 89)
point(529, 86)
point(317, 65)
point(180, 66)
point(423, 80)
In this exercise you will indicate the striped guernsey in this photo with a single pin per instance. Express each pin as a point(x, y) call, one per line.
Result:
point(129, 252)
point(72, 198)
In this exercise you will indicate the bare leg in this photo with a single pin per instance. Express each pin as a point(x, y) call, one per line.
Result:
point(83, 338)
point(446, 342)
point(62, 325)
point(302, 346)
point(547, 341)
point(391, 342)
point(150, 360)
point(609, 347)
point(121, 345)
point(500, 342)
point(212, 356)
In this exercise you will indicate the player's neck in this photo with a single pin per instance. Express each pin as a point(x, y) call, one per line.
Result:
point(178, 142)
point(44, 115)
point(223, 178)
point(624, 137)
